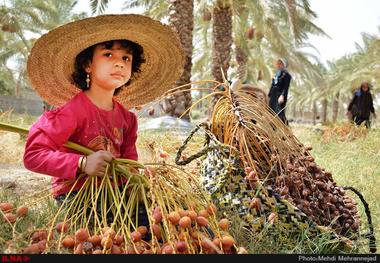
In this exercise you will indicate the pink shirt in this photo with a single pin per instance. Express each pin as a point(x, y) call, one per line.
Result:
point(81, 122)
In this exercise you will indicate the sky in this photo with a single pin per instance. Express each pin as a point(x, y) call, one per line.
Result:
point(342, 20)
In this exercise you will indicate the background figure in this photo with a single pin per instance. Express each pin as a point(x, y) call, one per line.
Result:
point(361, 105)
point(278, 93)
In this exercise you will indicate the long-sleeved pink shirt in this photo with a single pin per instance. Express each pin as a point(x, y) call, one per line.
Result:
point(81, 122)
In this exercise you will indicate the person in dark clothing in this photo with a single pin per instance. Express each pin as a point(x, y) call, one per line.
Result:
point(278, 93)
point(361, 106)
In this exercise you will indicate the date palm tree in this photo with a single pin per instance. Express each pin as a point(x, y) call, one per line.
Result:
point(180, 19)
point(22, 22)
point(273, 28)
point(221, 38)
point(347, 73)
point(260, 31)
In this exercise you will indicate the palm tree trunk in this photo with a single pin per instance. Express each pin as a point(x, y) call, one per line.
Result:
point(301, 112)
point(241, 59)
point(181, 21)
point(241, 55)
point(221, 42)
point(335, 107)
point(315, 113)
point(324, 110)
point(294, 112)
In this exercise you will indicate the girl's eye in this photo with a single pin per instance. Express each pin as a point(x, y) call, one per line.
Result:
point(108, 55)
point(126, 58)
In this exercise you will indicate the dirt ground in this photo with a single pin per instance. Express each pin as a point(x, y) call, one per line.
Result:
point(22, 181)
point(13, 174)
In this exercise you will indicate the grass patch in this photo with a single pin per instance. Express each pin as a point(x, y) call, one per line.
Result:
point(354, 162)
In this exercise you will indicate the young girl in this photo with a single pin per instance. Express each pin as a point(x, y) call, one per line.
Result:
point(278, 93)
point(94, 70)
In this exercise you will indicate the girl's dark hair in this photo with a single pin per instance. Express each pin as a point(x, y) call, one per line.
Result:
point(81, 62)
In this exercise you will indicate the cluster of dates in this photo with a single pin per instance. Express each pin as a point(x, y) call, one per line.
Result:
point(313, 190)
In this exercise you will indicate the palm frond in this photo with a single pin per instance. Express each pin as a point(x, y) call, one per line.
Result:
point(98, 6)
point(290, 6)
point(241, 120)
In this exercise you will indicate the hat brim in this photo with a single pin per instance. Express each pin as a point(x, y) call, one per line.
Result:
point(51, 61)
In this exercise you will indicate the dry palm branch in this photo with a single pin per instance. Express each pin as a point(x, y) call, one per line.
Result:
point(107, 214)
point(254, 165)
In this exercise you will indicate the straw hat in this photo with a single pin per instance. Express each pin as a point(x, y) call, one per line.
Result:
point(52, 58)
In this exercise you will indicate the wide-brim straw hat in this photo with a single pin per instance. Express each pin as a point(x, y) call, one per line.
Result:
point(51, 60)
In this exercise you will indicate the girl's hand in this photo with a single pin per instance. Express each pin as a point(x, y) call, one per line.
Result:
point(97, 163)
point(281, 99)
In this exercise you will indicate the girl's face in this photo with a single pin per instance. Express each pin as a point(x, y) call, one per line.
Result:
point(365, 86)
point(280, 65)
point(110, 68)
